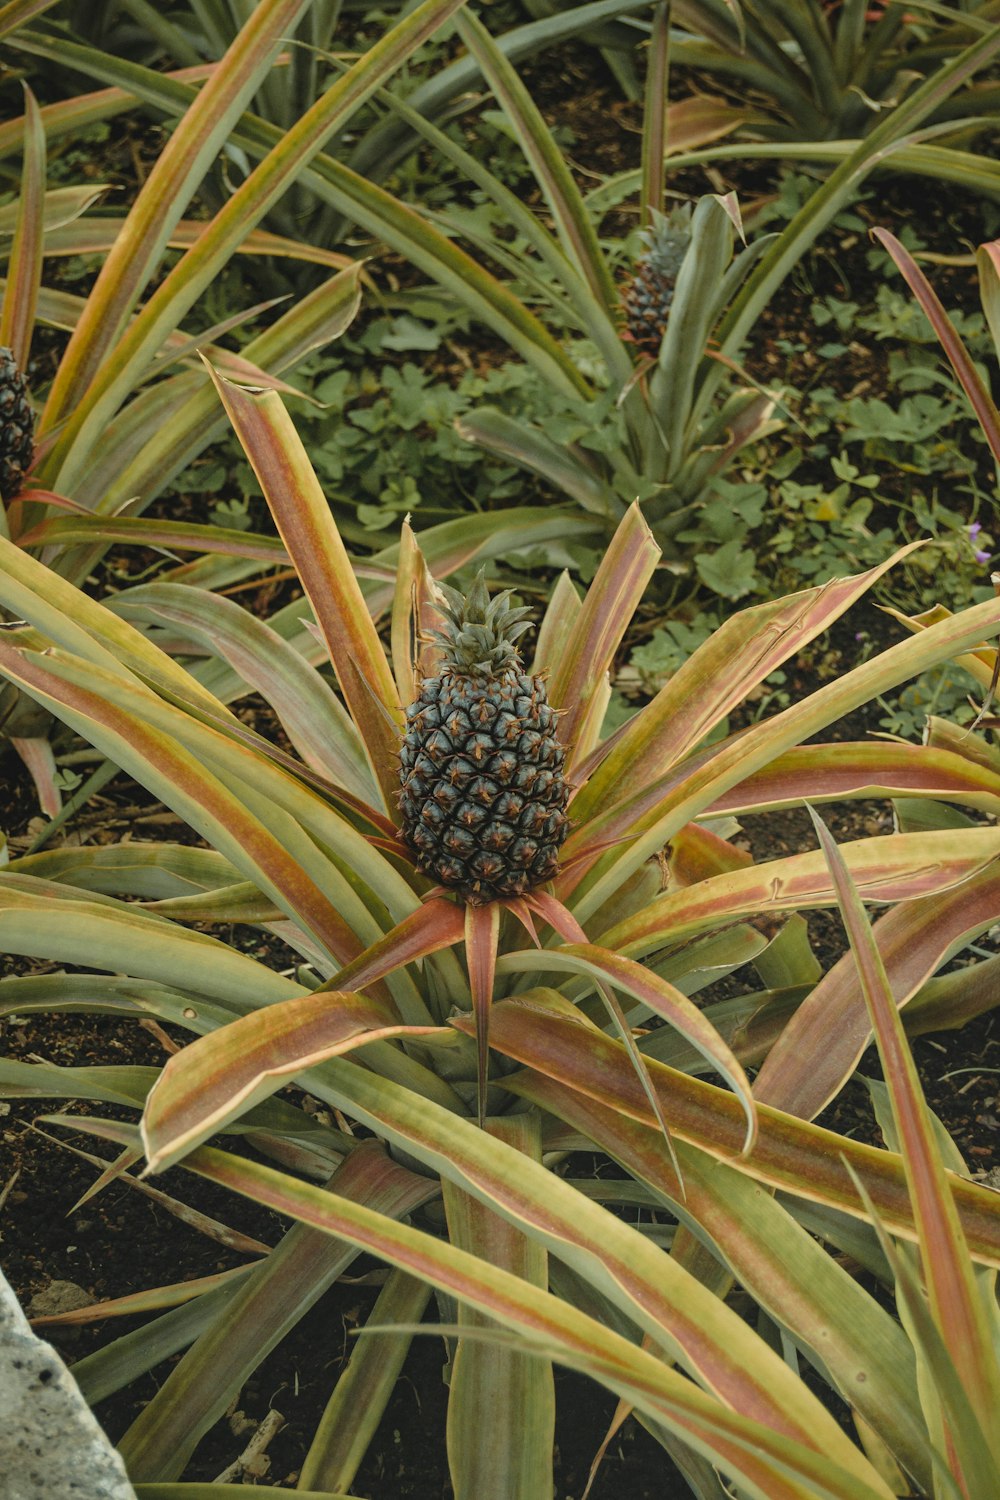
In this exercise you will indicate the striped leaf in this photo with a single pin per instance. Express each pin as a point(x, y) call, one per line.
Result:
point(24, 268)
point(311, 538)
point(957, 1309)
point(175, 176)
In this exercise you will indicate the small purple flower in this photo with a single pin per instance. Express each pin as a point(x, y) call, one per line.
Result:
point(981, 556)
point(974, 530)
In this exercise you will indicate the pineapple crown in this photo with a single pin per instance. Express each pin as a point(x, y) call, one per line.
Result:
point(479, 632)
point(666, 241)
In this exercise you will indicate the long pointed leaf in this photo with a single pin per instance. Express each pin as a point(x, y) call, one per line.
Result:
point(602, 964)
point(568, 928)
point(955, 1299)
point(886, 138)
point(310, 712)
point(247, 205)
point(364, 203)
point(93, 236)
point(227, 1071)
point(312, 540)
point(482, 934)
point(790, 1154)
point(24, 271)
point(16, 12)
point(498, 1392)
point(577, 234)
point(193, 790)
point(655, 817)
point(79, 624)
point(714, 679)
point(178, 170)
point(819, 773)
point(914, 940)
point(779, 1263)
point(958, 356)
point(269, 1302)
point(895, 867)
point(763, 1455)
point(362, 1392)
point(608, 607)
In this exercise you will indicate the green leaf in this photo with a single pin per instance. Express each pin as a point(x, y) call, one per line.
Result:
point(499, 1391)
point(282, 864)
point(730, 571)
point(195, 1489)
point(769, 1462)
point(310, 712)
point(576, 233)
point(16, 12)
point(267, 1304)
point(602, 964)
point(791, 1155)
point(914, 939)
point(24, 269)
point(888, 868)
point(563, 465)
point(958, 356)
point(365, 204)
point(362, 1392)
point(581, 670)
point(224, 1073)
point(652, 817)
point(840, 1327)
point(958, 1312)
point(138, 251)
point(310, 534)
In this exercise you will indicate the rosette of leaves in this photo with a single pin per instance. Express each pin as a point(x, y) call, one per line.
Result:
point(818, 72)
point(130, 405)
point(476, 1045)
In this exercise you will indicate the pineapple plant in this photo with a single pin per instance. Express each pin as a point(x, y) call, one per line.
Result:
point(596, 1033)
point(649, 295)
point(16, 427)
point(483, 793)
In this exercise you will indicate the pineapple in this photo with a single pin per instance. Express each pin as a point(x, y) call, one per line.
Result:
point(649, 294)
point(483, 799)
point(16, 427)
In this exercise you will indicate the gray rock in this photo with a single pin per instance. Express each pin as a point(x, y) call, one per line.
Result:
point(50, 1443)
point(59, 1297)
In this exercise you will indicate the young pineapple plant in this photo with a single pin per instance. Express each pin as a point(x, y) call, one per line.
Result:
point(649, 295)
point(484, 795)
point(17, 426)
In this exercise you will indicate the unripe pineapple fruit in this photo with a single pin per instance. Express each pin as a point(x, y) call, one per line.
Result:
point(16, 427)
point(648, 297)
point(484, 796)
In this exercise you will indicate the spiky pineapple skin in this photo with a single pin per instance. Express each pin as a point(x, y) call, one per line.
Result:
point(16, 427)
point(648, 296)
point(646, 303)
point(483, 793)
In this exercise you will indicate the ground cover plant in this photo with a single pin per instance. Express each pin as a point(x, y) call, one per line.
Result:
point(447, 932)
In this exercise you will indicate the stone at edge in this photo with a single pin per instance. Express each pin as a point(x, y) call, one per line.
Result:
point(50, 1444)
